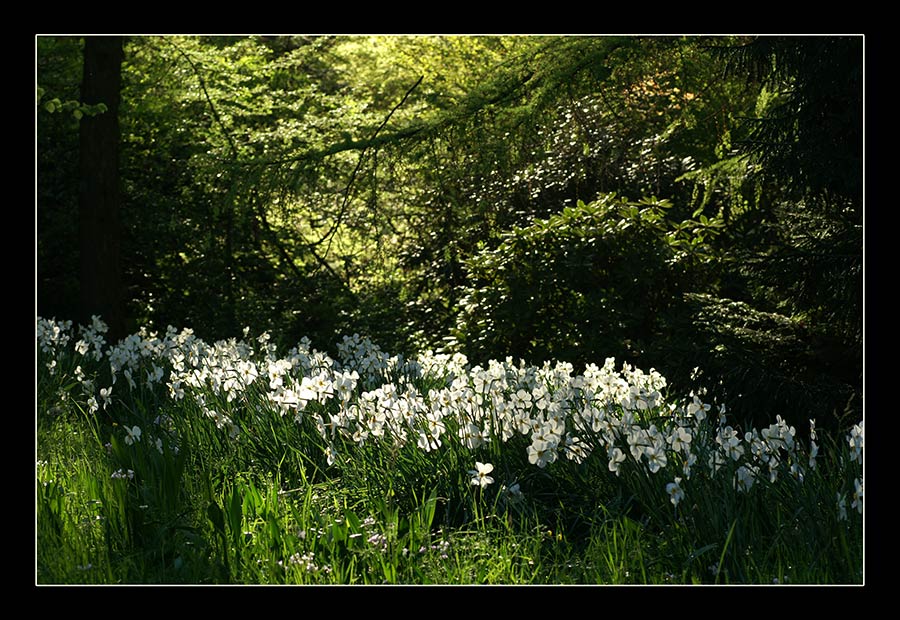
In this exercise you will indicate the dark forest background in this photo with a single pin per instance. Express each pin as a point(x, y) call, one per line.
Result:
point(690, 204)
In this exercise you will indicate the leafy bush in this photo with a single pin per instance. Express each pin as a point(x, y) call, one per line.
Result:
point(761, 362)
point(590, 282)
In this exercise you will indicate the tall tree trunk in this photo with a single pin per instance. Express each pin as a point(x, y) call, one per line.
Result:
point(98, 198)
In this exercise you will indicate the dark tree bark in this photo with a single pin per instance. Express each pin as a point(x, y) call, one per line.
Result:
point(99, 196)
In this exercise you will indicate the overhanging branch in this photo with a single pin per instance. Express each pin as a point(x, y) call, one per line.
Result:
point(346, 200)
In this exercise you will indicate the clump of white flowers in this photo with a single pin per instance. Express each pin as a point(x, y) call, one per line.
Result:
point(620, 412)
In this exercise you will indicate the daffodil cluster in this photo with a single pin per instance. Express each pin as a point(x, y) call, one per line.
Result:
point(619, 414)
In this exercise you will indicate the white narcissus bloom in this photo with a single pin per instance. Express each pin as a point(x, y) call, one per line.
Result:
point(156, 375)
point(514, 491)
point(470, 435)
point(247, 372)
point(330, 455)
point(676, 494)
point(121, 474)
point(305, 393)
point(680, 439)
point(575, 450)
point(857, 495)
point(656, 458)
point(842, 506)
point(616, 456)
point(856, 439)
point(540, 453)
point(345, 384)
point(105, 394)
point(428, 442)
point(176, 392)
point(480, 475)
point(435, 424)
point(730, 442)
point(132, 434)
point(688, 463)
point(745, 478)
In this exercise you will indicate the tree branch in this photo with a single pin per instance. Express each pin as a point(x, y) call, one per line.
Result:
point(215, 113)
point(346, 201)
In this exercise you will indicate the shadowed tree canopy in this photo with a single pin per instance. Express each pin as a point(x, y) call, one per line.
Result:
point(679, 202)
point(807, 131)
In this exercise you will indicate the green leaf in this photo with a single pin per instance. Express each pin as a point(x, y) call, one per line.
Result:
point(234, 513)
point(353, 521)
point(215, 515)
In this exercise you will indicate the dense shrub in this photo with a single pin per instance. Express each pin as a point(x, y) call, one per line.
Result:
point(590, 282)
point(757, 363)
